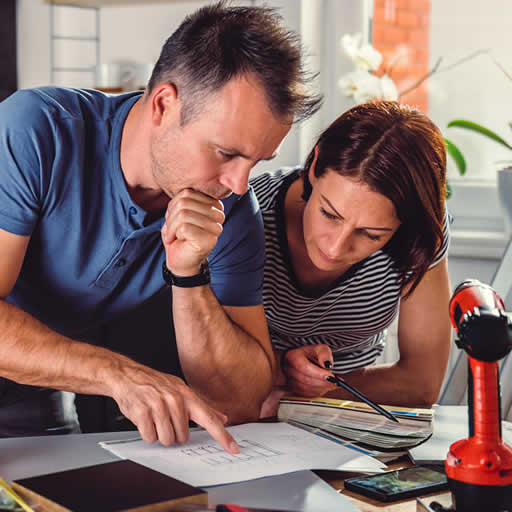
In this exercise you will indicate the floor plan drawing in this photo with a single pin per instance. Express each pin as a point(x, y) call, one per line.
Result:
point(266, 449)
point(213, 454)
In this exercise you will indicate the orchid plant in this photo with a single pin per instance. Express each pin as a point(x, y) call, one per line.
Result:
point(363, 84)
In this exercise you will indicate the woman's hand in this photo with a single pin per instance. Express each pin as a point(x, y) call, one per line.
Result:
point(303, 376)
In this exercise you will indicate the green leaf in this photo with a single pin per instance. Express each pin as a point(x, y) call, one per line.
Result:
point(455, 153)
point(469, 125)
point(448, 190)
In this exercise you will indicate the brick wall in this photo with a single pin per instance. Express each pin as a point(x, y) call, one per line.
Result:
point(401, 30)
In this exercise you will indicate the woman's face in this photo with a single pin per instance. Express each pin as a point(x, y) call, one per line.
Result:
point(345, 221)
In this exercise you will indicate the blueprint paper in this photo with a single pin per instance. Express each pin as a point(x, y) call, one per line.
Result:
point(266, 449)
point(305, 492)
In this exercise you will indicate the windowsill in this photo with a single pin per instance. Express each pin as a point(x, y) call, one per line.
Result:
point(487, 245)
point(478, 230)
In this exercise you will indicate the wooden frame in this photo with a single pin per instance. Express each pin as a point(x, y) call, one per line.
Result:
point(8, 77)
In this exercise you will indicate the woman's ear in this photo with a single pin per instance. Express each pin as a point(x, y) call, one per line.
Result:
point(311, 172)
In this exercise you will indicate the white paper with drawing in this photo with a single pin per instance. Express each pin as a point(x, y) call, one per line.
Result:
point(266, 449)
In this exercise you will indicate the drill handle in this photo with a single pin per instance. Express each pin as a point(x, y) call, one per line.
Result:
point(484, 410)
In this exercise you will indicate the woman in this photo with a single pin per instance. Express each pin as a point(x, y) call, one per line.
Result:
point(355, 238)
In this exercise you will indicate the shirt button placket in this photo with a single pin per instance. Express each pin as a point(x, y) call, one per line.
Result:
point(121, 262)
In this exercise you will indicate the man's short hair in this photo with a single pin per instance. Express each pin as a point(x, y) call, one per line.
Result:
point(219, 42)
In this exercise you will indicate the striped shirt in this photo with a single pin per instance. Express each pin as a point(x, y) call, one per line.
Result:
point(351, 316)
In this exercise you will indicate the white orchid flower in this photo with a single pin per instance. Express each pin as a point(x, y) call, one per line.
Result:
point(369, 89)
point(364, 56)
point(349, 82)
point(350, 44)
point(368, 58)
point(360, 85)
point(388, 88)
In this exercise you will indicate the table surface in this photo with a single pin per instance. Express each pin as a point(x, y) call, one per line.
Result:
point(24, 457)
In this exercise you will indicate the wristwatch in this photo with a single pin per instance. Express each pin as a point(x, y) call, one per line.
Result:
point(186, 281)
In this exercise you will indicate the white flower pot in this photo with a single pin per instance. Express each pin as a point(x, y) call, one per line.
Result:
point(504, 181)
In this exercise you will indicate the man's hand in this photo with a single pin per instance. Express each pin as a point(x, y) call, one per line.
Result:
point(160, 405)
point(303, 377)
point(193, 223)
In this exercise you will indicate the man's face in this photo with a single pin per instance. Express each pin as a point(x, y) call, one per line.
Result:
point(214, 152)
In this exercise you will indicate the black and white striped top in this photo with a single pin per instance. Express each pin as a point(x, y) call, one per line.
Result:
point(351, 316)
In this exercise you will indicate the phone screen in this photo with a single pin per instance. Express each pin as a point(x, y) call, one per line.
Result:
point(400, 484)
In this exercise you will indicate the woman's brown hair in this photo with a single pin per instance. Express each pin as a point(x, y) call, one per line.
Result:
point(398, 152)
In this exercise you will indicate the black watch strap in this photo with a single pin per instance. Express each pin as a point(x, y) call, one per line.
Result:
point(186, 281)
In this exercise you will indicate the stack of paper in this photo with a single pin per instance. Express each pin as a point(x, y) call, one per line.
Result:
point(359, 423)
point(383, 456)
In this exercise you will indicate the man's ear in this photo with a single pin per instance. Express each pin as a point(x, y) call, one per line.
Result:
point(164, 102)
point(311, 172)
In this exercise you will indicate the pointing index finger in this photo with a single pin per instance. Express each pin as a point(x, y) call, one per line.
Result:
point(213, 424)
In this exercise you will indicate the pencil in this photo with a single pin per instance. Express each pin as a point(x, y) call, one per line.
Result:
point(342, 384)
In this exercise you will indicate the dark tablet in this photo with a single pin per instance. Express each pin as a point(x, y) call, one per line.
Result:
point(400, 484)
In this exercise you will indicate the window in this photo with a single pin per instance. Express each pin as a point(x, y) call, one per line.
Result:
point(462, 41)
point(475, 89)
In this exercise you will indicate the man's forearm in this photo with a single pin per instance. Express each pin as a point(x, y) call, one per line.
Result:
point(159, 404)
point(31, 353)
point(221, 361)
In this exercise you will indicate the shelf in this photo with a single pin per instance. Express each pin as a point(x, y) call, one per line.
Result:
point(57, 65)
point(106, 3)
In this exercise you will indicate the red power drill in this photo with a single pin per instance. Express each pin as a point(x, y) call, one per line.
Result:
point(479, 469)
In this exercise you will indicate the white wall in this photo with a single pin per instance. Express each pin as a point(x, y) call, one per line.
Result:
point(33, 43)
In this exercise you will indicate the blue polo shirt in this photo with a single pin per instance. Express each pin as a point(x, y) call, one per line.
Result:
point(94, 254)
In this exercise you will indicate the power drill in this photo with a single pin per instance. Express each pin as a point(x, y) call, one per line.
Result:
point(479, 469)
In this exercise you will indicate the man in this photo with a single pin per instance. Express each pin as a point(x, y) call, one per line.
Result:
point(97, 192)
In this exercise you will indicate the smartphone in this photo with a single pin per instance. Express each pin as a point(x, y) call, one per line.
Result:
point(399, 484)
